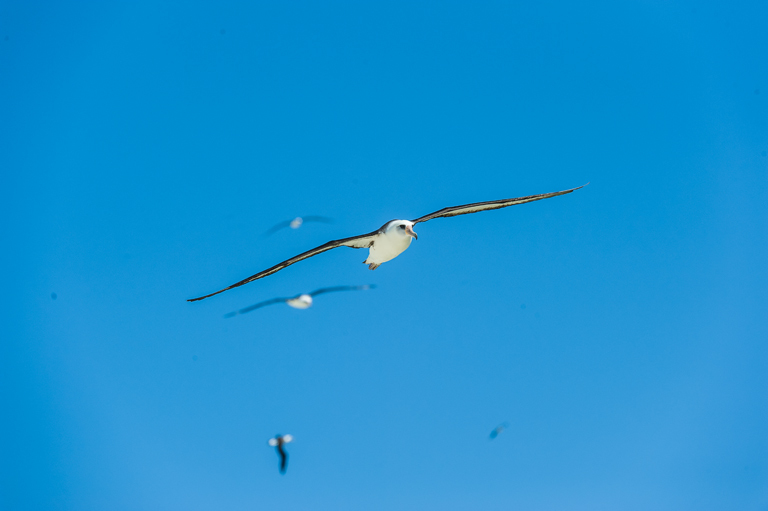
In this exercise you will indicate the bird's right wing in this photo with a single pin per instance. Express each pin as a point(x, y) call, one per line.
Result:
point(255, 306)
point(340, 288)
point(362, 241)
point(317, 218)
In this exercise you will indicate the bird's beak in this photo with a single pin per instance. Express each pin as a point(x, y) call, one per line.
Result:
point(409, 230)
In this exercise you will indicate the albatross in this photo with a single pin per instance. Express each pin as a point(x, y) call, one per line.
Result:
point(302, 301)
point(297, 222)
point(391, 239)
point(278, 443)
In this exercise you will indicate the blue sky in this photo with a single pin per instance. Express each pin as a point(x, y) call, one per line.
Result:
point(620, 330)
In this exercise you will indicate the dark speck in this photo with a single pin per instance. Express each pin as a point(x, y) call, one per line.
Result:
point(194, 357)
point(222, 31)
point(54, 296)
point(6, 38)
point(763, 153)
point(757, 91)
point(522, 306)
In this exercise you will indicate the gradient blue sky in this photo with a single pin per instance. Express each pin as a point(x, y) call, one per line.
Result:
point(620, 330)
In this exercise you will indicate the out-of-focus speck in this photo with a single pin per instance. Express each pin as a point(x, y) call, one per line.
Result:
point(536, 314)
point(7, 38)
point(54, 296)
point(296, 223)
point(194, 357)
point(278, 442)
point(757, 91)
point(763, 154)
point(522, 306)
point(222, 31)
point(498, 430)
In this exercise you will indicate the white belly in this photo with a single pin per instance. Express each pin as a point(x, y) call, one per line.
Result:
point(300, 302)
point(387, 247)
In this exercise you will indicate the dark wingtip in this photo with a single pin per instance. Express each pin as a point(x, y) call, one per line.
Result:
point(572, 189)
point(206, 296)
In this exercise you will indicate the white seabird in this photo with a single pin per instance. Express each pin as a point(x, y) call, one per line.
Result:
point(278, 442)
point(297, 222)
point(392, 238)
point(302, 301)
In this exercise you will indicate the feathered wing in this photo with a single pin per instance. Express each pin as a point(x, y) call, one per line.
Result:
point(318, 218)
point(485, 206)
point(282, 225)
point(340, 288)
point(255, 306)
point(362, 241)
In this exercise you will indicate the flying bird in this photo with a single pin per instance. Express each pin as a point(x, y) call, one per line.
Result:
point(278, 443)
point(296, 223)
point(302, 301)
point(392, 238)
point(498, 429)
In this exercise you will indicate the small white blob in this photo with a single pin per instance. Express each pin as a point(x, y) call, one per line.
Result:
point(300, 302)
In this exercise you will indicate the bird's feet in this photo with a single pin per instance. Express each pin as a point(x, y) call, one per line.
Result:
point(373, 266)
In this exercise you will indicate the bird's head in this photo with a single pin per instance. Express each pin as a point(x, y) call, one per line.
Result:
point(403, 228)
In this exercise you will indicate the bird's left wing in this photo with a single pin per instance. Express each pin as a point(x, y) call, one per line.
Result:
point(485, 206)
point(282, 225)
point(362, 241)
point(255, 306)
point(340, 288)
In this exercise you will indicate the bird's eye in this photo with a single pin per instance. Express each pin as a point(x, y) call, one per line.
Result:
point(402, 226)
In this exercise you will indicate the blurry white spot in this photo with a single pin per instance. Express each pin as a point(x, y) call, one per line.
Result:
point(300, 302)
